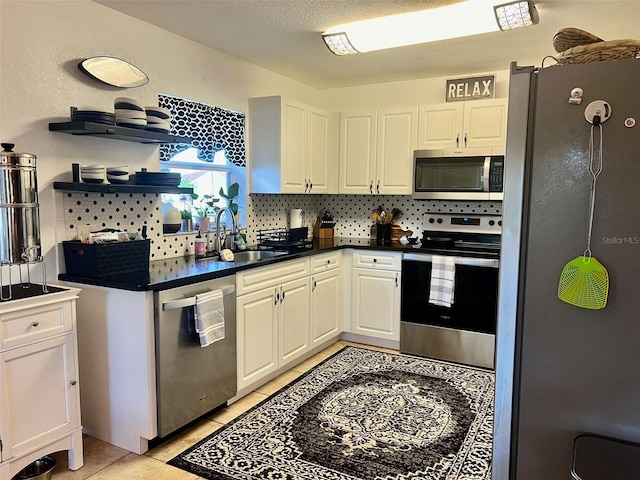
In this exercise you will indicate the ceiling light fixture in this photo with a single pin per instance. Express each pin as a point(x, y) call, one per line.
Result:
point(516, 14)
point(458, 20)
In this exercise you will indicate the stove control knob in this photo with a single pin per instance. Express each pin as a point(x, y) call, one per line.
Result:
point(492, 222)
point(431, 220)
point(500, 222)
point(439, 220)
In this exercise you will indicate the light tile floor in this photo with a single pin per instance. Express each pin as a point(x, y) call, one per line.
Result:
point(105, 461)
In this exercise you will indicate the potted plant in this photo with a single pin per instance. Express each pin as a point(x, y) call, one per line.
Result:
point(187, 220)
point(230, 196)
point(203, 207)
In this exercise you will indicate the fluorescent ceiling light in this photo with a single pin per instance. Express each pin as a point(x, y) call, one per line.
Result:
point(516, 14)
point(471, 17)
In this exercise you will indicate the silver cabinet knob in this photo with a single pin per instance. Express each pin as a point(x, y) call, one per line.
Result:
point(73, 383)
point(34, 323)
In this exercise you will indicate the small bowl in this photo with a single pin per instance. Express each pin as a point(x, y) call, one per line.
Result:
point(171, 227)
point(128, 103)
point(118, 179)
point(158, 112)
point(93, 180)
point(121, 170)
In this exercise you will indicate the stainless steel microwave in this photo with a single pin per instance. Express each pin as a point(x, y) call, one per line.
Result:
point(458, 174)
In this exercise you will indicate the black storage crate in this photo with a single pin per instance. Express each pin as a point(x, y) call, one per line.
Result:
point(98, 260)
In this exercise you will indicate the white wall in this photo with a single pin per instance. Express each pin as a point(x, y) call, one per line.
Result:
point(410, 92)
point(41, 43)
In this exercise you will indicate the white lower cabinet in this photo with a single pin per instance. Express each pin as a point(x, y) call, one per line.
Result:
point(375, 295)
point(257, 335)
point(293, 320)
point(39, 388)
point(327, 298)
point(284, 312)
point(272, 311)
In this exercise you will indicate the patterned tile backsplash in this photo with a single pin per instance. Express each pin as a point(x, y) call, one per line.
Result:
point(131, 211)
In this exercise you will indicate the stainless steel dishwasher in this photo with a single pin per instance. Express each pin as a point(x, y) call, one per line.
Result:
point(192, 380)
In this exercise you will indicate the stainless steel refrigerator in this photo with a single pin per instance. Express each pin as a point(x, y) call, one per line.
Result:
point(563, 371)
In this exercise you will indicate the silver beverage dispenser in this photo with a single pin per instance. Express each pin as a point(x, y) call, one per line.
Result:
point(19, 216)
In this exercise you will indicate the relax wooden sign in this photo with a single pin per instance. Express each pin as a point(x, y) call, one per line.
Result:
point(474, 88)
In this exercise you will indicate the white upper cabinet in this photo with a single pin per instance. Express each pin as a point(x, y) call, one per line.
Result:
point(376, 150)
point(476, 123)
point(292, 147)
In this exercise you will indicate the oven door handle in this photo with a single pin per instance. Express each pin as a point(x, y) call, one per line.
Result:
point(191, 301)
point(467, 261)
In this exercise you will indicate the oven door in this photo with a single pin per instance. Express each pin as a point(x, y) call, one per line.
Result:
point(464, 333)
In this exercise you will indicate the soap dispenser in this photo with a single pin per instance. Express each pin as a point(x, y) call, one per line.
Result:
point(199, 246)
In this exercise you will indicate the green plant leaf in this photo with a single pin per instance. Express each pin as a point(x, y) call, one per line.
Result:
point(234, 189)
point(234, 208)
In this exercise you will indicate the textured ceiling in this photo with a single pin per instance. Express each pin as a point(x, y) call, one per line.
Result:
point(284, 35)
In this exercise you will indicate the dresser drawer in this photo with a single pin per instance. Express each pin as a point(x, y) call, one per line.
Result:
point(24, 326)
point(326, 261)
point(378, 259)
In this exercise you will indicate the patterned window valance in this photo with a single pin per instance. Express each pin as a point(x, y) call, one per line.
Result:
point(211, 128)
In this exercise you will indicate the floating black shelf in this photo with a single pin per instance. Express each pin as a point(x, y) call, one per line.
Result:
point(114, 132)
point(124, 188)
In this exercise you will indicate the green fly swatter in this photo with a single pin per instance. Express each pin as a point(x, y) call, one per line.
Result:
point(584, 282)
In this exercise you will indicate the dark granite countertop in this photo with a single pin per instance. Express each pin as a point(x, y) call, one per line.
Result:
point(180, 271)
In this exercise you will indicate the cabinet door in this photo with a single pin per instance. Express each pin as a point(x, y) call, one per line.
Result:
point(485, 123)
point(357, 152)
point(257, 335)
point(37, 412)
point(440, 125)
point(326, 306)
point(397, 139)
point(294, 147)
point(375, 309)
point(293, 320)
point(322, 152)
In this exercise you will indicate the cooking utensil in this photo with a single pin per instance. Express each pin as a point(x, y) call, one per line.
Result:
point(584, 282)
point(376, 216)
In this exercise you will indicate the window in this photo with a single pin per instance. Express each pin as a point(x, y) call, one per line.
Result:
point(214, 158)
point(205, 178)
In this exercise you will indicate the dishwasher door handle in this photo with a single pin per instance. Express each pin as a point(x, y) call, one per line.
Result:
point(191, 301)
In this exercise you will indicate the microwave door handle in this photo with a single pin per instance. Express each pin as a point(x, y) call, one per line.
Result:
point(191, 301)
point(487, 169)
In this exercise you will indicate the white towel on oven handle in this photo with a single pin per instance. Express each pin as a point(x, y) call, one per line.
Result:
point(209, 317)
point(443, 279)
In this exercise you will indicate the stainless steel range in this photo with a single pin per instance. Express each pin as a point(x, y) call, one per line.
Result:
point(463, 330)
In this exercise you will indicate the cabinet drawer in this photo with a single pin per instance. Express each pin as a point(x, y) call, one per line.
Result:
point(36, 323)
point(377, 259)
point(326, 261)
point(271, 275)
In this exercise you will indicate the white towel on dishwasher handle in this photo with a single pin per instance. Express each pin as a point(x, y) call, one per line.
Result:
point(443, 279)
point(209, 317)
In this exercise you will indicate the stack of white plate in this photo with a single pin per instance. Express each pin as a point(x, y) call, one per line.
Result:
point(118, 174)
point(158, 119)
point(130, 113)
point(92, 173)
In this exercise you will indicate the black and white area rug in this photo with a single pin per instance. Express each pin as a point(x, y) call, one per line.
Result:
point(361, 414)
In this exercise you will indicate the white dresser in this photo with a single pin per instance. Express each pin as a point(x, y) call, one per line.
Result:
point(39, 388)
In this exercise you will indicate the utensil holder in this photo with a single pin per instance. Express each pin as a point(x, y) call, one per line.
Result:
point(383, 233)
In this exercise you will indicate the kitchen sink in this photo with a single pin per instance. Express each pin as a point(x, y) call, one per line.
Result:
point(254, 255)
point(249, 256)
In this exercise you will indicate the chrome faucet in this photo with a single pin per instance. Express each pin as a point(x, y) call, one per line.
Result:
point(233, 226)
